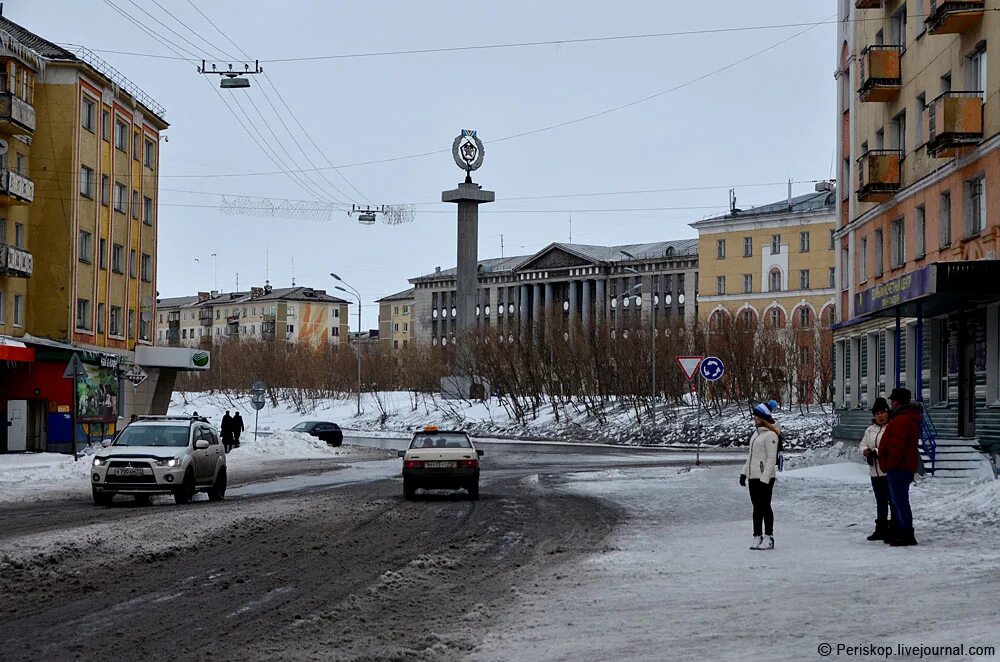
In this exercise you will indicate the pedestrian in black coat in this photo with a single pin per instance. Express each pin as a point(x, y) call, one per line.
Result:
point(237, 429)
point(227, 431)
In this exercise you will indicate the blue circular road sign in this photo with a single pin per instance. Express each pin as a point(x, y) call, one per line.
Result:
point(712, 368)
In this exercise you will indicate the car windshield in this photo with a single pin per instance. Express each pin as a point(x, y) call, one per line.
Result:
point(304, 427)
point(441, 440)
point(175, 436)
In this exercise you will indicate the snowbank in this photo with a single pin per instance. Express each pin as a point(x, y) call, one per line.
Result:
point(24, 477)
point(842, 472)
point(281, 445)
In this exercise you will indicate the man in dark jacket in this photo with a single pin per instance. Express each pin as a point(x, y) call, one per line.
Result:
point(898, 458)
point(227, 431)
point(237, 429)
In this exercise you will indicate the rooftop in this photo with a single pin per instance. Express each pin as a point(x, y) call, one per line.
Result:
point(234, 298)
point(398, 296)
point(800, 204)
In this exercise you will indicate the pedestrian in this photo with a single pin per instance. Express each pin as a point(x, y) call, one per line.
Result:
point(237, 429)
point(898, 457)
point(869, 446)
point(227, 431)
point(760, 468)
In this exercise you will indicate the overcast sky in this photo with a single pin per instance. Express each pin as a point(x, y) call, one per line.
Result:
point(762, 121)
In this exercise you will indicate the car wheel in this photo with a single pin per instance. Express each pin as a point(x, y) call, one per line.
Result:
point(184, 493)
point(218, 490)
point(142, 499)
point(102, 498)
point(409, 491)
point(336, 441)
point(473, 490)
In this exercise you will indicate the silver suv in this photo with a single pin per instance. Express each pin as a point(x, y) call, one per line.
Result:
point(178, 455)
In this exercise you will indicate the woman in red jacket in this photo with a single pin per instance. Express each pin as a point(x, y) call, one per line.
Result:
point(898, 458)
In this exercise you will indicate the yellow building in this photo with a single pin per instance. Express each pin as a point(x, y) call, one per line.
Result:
point(395, 319)
point(771, 265)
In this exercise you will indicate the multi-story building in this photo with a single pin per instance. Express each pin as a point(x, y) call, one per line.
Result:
point(570, 282)
point(771, 265)
point(292, 314)
point(395, 319)
point(918, 121)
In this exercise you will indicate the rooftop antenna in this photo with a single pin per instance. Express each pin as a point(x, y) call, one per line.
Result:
point(501, 246)
point(237, 281)
point(293, 271)
point(267, 266)
point(789, 192)
point(732, 201)
point(571, 227)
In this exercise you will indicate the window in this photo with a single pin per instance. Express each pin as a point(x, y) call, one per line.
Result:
point(805, 356)
point(897, 243)
point(775, 315)
point(135, 204)
point(899, 132)
point(975, 206)
point(805, 317)
point(832, 276)
point(106, 125)
point(120, 197)
point(863, 260)
point(919, 233)
point(146, 269)
point(85, 247)
point(804, 242)
point(147, 210)
point(3, 308)
point(879, 139)
point(87, 114)
point(136, 146)
point(117, 259)
point(395, 328)
point(102, 260)
point(18, 310)
point(19, 235)
point(144, 329)
point(83, 314)
point(335, 330)
point(897, 27)
point(845, 259)
point(945, 214)
point(775, 244)
point(774, 280)
point(879, 37)
point(395, 310)
point(131, 324)
point(878, 252)
point(132, 267)
point(918, 128)
point(100, 318)
point(115, 323)
point(946, 83)
point(747, 246)
point(121, 136)
point(86, 182)
point(804, 279)
point(720, 284)
point(406, 311)
point(747, 283)
point(21, 164)
point(149, 159)
point(720, 249)
point(105, 190)
point(977, 71)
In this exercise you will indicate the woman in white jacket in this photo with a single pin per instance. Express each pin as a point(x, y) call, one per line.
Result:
point(761, 467)
point(880, 484)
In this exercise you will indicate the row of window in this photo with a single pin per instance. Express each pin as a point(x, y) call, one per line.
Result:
point(774, 281)
point(17, 313)
point(805, 245)
point(974, 195)
point(18, 80)
point(120, 195)
point(145, 149)
point(774, 318)
point(240, 312)
point(395, 327)
point(114, 320)
point(85, 247)
point(19, 233)
point(395, 310)
point(219, 331)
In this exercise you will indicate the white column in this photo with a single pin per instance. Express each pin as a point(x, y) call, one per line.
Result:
point(601, 300)
point(993, 354)
point(587, 293)
point(839, 382)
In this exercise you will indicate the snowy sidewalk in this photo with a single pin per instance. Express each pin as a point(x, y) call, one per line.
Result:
point(680, 582)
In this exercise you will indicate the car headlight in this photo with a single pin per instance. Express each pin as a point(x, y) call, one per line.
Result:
point(174, 462)
point(100, 461)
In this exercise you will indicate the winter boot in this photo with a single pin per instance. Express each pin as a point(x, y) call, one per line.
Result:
point(758, 542)
point(768, 542)
point(879, 532)
point(890, 532)
point(904, 538)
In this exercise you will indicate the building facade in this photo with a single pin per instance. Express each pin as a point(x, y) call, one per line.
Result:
point(292, 315)
point(771, 265)
point(918, 234)
point(395, 319)
point(588, 285)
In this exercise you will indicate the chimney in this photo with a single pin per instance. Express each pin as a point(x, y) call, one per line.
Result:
point(437, 270)
point(203, 297)
point(215, 294)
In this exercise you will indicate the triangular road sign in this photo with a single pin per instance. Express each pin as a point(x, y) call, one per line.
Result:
point(689, 364)
point(74, 368)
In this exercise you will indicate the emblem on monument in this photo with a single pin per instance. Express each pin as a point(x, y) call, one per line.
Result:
point(468, 151)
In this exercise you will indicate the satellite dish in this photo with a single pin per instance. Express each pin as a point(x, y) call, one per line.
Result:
point(3, 147)
point(147, 301)
point(146, 316)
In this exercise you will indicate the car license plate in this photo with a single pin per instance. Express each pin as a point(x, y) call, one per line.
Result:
point(127, 471)
point(440, 465)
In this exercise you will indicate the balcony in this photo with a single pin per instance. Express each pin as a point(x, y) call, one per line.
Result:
point(952, 17)
point(868, 4)
point(954, 120)
point(15, 188)
point(879, 175)
point(881, 79)
point(15, 261)
point(17, 117)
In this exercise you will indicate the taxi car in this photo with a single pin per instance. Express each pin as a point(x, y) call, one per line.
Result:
point(440, 460)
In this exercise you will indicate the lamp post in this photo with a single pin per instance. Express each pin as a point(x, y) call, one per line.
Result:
point(652, 332)
point(358, 295)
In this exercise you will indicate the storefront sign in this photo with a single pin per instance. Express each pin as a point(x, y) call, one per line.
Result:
point(897, 291)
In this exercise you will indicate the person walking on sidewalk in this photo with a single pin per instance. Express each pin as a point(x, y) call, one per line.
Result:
point(227, 431)
point(880, 483)
point(760, 467)
point(238, 428)
point(898, 458)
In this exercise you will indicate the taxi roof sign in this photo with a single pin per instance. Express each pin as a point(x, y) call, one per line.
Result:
point(430, 428)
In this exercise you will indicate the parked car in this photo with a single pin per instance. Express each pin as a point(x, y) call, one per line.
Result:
point(322, 430)
point(440, 460)
point(179, 455)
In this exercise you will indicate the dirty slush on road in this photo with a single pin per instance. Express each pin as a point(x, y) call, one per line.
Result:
point(355, 573)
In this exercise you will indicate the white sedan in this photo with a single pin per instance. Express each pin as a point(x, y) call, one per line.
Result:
point(440, 460)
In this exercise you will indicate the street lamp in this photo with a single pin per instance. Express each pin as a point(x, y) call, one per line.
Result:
point(652, 331)
point(358, 295)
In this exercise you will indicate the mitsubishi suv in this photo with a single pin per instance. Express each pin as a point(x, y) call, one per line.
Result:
point(178, 455)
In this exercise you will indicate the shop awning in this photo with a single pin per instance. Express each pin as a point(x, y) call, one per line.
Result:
point(934, 290)
point(14, 350)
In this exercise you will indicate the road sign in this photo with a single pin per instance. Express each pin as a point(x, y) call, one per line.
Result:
point(257, 403)
point(136, 375)
point(74, 368)
point(258, 387)
point(712, 368)
point(689, 365)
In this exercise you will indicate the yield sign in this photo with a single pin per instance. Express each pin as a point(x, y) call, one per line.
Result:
point(689, 364)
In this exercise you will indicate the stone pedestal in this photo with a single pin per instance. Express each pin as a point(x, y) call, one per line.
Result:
point(468, 197)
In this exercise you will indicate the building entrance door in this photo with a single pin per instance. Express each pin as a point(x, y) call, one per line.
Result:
point(17, 426)
point(967, 377)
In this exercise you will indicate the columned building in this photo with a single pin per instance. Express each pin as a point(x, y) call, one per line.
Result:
point(581, 286)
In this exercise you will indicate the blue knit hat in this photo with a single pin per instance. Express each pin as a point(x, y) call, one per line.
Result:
point(762, 411)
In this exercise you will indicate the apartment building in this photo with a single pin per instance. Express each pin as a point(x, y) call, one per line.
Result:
point(395, 319)
point(291, 314)
point(918, 235)
point(771, 265)
point(573, 283)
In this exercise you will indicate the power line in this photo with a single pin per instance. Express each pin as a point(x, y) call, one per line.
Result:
point(192, 30)
point(194, 45)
